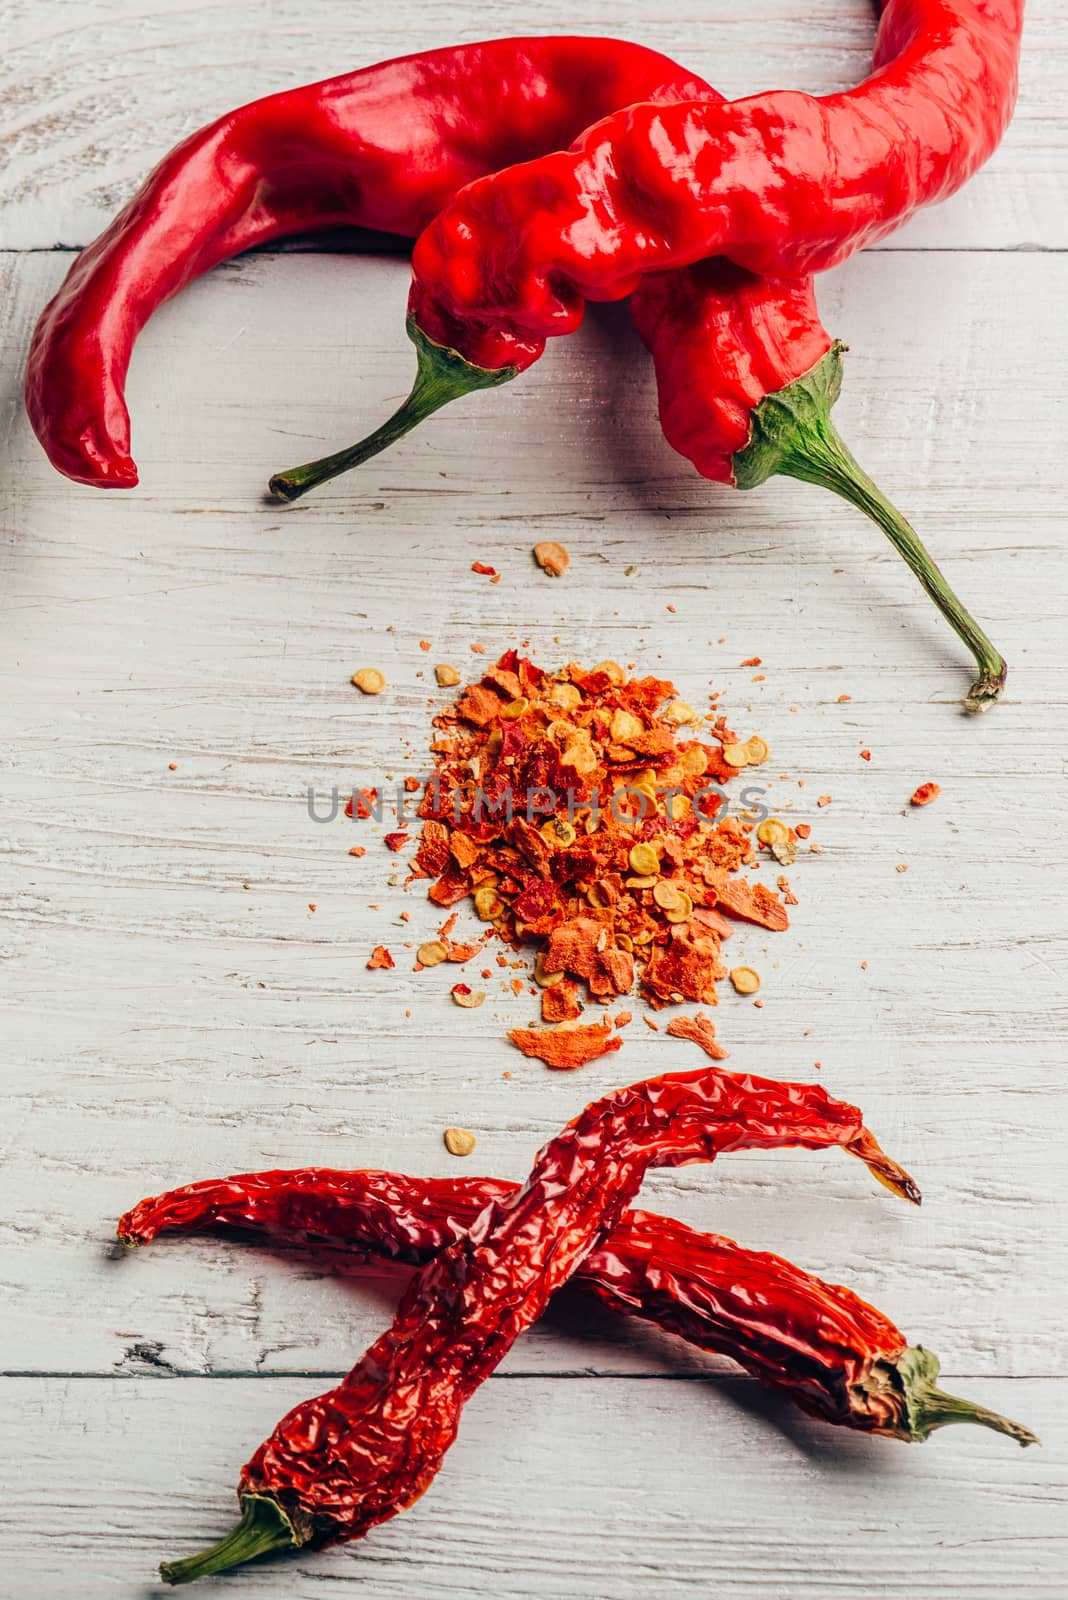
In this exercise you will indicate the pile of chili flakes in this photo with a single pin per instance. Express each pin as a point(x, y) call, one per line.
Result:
point(625, 862)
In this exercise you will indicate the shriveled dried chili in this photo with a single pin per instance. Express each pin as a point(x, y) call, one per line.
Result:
point(816, 1343)
point(339, 1464)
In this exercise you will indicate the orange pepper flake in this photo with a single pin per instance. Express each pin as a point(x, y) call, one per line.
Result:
point(863, 966)
point(478, 649)
point(412, 785)
point(702, 1031)
point(358, 850)
point(561, 1002)
point(651, 1022)
point(312, 906)
point(483, 571)
point(564, 1049)
point(865, 755)
point(843, 698)
point(925, 794)
point(672, 608)
point(424, 644)
point(380, 957)
point(397, 841)
point(172, 766)
point(752, 661)
point(786, 891)
point(824, 800)
point(803, 829)
point(623, 1019)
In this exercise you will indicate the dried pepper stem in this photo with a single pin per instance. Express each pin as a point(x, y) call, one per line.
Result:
point(792, 433)
point(264, 1530)
point(441, 375)
point(928, 1407)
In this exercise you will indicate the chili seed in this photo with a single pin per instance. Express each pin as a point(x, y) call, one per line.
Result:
point(432, 954)
point(458, 1142)
point(447, 676)
point(552, 558)
point(369, 680)
point(644, 860)
point(736, 755)
point(756, 750)
point(772, 831)
point(745, 980)
point(467, 997)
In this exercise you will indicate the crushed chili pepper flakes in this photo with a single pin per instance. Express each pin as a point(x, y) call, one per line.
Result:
point(425, 644)
point(702, 1031)
point(380, 957)
point(582, 809)
point(566, 1048)
point(396, 841)
point(843, 698)
point(824, 800)
point(623, 1019)
point(865, 755)
point(483, 570)
point(752, 661)
point(925, 794)
point(358, 850)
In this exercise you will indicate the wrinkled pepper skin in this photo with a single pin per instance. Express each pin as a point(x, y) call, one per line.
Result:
point(383, 148)
point(337, 1465)
point(783, 184)
point(814, 1342)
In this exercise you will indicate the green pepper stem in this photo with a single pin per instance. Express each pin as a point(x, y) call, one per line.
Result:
point(928, 1407)
point(792, 433)
point(264, 1529)
point(441, 375)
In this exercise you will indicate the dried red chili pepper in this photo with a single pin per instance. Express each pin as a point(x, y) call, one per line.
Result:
point(816, 1343)
point(339, 1464)
point(382, 148)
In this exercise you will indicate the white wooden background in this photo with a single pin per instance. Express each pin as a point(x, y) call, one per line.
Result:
point(173, 1009)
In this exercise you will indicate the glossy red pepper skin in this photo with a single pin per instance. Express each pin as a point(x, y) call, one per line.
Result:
point(783, 184)
point(339, 1464)
point(383, 148)
point(722, 341)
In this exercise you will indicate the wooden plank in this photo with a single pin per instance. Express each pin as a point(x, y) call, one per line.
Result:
point(585, 1489)
point(95, 91)
point(165, 1022)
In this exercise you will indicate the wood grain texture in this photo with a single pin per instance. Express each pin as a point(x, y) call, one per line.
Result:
point(93, 92)
point(171, 1007)
point(550, 1490)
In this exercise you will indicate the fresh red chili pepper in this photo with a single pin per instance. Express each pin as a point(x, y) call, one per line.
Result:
point(781, 183)
point(817, 1343)
point(747, 376)
point(339, 1464)
point(383, 148)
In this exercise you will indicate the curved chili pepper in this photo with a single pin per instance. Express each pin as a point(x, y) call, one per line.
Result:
point(746, 376)
point(816, 1343)
point(339, 1464)
point(781, 183)
point(383, 148)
